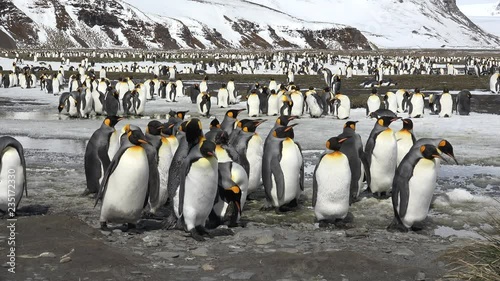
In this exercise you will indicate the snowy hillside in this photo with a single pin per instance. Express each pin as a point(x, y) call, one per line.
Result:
point(247, 24)
point(485, 15)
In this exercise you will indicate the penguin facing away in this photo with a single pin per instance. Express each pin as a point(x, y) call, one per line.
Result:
point(413, 187)
point(12, 174)
point(352, 147)
point(405, 139)
point(331, 189)
point(96, 158)
point(463, 103)
point(123, 193)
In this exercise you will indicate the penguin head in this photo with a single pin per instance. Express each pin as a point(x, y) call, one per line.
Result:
point(407, 124)
point(335, 143)
point(233, 194)
point(233, 113)
point(214, 124)
point(251, 126)
point(181, 114)
point(445, 147)
point(111, 121)
point(430, 152)
point(284, 132)
point(193, 130)
point(242, 122)
point(385, 121)
point(154, 128)
point(350, 124)
point(221, 137)
point(374, 91)
point(136, 137)
point(207, 149)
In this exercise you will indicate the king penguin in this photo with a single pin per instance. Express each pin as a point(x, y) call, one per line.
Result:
point(373, 102)
point(97, 159)
point(445, 107)
point(463, 103)
point(128, 184)
point(282, 169)
point(405, 139)
point(416, 105)
point(331, 189)
point(195, 197)
point(249, 146)
point(12, 174)
point(381, 155)
point(413, 187)
point(230, 119)
point(253, 104)
point(352, 147)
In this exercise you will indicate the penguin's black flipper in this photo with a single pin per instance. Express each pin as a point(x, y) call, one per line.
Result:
point(301, 175)
point(12, 142)
point(279, 178)
point(400, 185)
point(315, 183)
point(370, 145)
point(154, 176)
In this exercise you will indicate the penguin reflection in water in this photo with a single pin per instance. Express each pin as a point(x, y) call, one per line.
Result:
point(123, 193)
point(413, 187)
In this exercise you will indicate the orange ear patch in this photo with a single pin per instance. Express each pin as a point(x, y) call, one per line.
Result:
point(422, 149)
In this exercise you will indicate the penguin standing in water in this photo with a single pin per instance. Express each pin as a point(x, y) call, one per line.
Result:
point(413, 187)
point(129, 183)
point(463, 103)
point(416, 104)
point(253, 104)
point(405, 139)
point(495, 83)
point(96, 158)
point(331, 189)
point(12, 174)
point(282, 170)
point(352, 147)
point(445, 104)
point(381, 156)
point(373, 102)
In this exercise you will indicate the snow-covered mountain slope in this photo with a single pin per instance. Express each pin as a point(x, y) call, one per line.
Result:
point(485, 15)
point(242, 24)
point(481, 9)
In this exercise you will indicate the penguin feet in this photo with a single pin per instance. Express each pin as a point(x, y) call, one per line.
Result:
point(132, 228)
point(267, 207)
point(221, 232)
point(396, 226)
point(291, 206)
point(170, 222)
point(151, 216)
point(86, 193)
point(196, 236)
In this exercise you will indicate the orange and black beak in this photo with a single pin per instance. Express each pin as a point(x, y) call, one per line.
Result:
point(440, 157)
point(452, 157)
